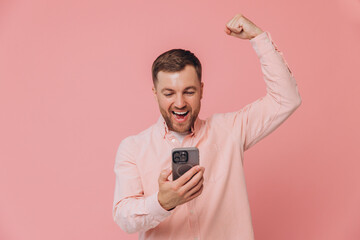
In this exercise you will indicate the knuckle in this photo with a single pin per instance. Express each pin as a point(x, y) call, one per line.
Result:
point(175, 187)
point(197, 187)
point(181, 193)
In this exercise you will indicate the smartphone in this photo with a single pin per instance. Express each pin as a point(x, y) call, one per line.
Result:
point(183, 159)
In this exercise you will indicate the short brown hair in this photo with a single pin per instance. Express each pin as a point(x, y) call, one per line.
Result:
point(175, 60)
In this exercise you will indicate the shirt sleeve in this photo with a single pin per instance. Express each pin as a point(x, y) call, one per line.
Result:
point(132, 211)
point(261, 117)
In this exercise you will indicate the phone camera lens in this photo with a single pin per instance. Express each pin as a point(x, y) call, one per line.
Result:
point(180, 157)
point(183, 156)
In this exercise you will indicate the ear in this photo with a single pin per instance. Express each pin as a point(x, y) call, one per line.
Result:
point(154, 92)
point(201, 89)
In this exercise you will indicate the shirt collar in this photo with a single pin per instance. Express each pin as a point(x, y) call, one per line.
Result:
point(164, 130)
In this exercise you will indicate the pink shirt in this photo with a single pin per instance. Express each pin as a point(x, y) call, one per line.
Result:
point(222, 210)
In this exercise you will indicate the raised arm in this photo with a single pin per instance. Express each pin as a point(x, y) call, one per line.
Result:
point(258, 119)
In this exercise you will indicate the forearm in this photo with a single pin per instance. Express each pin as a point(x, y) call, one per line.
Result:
point(139, 214)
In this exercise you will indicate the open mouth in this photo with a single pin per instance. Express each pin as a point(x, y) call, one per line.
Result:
point(180, 116)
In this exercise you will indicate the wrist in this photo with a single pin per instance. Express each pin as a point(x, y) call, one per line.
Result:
point(257, 33)
point(164, 206)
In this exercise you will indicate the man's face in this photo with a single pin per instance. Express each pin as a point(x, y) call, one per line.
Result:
point(178, 95)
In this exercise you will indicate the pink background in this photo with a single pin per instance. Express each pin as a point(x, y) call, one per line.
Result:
point(75, 80)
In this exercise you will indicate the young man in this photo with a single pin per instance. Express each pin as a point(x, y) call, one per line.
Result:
point(211, 204)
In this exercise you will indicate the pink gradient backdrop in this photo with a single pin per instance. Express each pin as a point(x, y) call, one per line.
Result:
point(75, 80)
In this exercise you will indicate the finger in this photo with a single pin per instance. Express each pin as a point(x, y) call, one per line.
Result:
point(227, 31)
point(234, 34)
point(235, 21)
point(236, 25)
point(195, 195)
point(230, 23)
point(188, 175)
point(192, 183)
point(195, 189)
point(237, 28)
point(164, 174)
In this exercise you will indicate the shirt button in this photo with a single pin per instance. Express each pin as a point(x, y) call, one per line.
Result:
point(192, 211)
point(173, 140)
point(196, 238)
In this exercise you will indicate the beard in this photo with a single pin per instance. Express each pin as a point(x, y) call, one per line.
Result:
point(181, 127)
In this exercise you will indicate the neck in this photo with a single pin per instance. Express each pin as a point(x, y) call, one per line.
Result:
point(186, 132)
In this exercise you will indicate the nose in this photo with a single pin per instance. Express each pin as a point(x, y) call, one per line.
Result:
point(179, 102)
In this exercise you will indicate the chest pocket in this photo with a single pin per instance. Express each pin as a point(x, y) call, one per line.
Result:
point(216, 167)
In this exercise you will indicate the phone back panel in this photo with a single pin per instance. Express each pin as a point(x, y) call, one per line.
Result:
point(179, 168)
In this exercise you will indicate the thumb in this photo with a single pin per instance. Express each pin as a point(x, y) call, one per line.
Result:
point(227, 31)
point(164, 174)
point(236, 31)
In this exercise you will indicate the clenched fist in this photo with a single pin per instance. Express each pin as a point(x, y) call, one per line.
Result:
point(241, 27)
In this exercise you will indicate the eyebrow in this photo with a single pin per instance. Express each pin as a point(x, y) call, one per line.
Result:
point(171, 90)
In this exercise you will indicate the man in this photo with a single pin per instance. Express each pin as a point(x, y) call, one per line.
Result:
point(211, 204)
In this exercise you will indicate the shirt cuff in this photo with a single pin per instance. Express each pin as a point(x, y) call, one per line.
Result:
point(155, 209)
point(262, 43)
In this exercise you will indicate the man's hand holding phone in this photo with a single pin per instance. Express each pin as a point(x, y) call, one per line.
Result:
point(182, 190)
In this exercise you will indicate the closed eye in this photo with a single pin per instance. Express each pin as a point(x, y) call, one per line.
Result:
point(190, 93)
